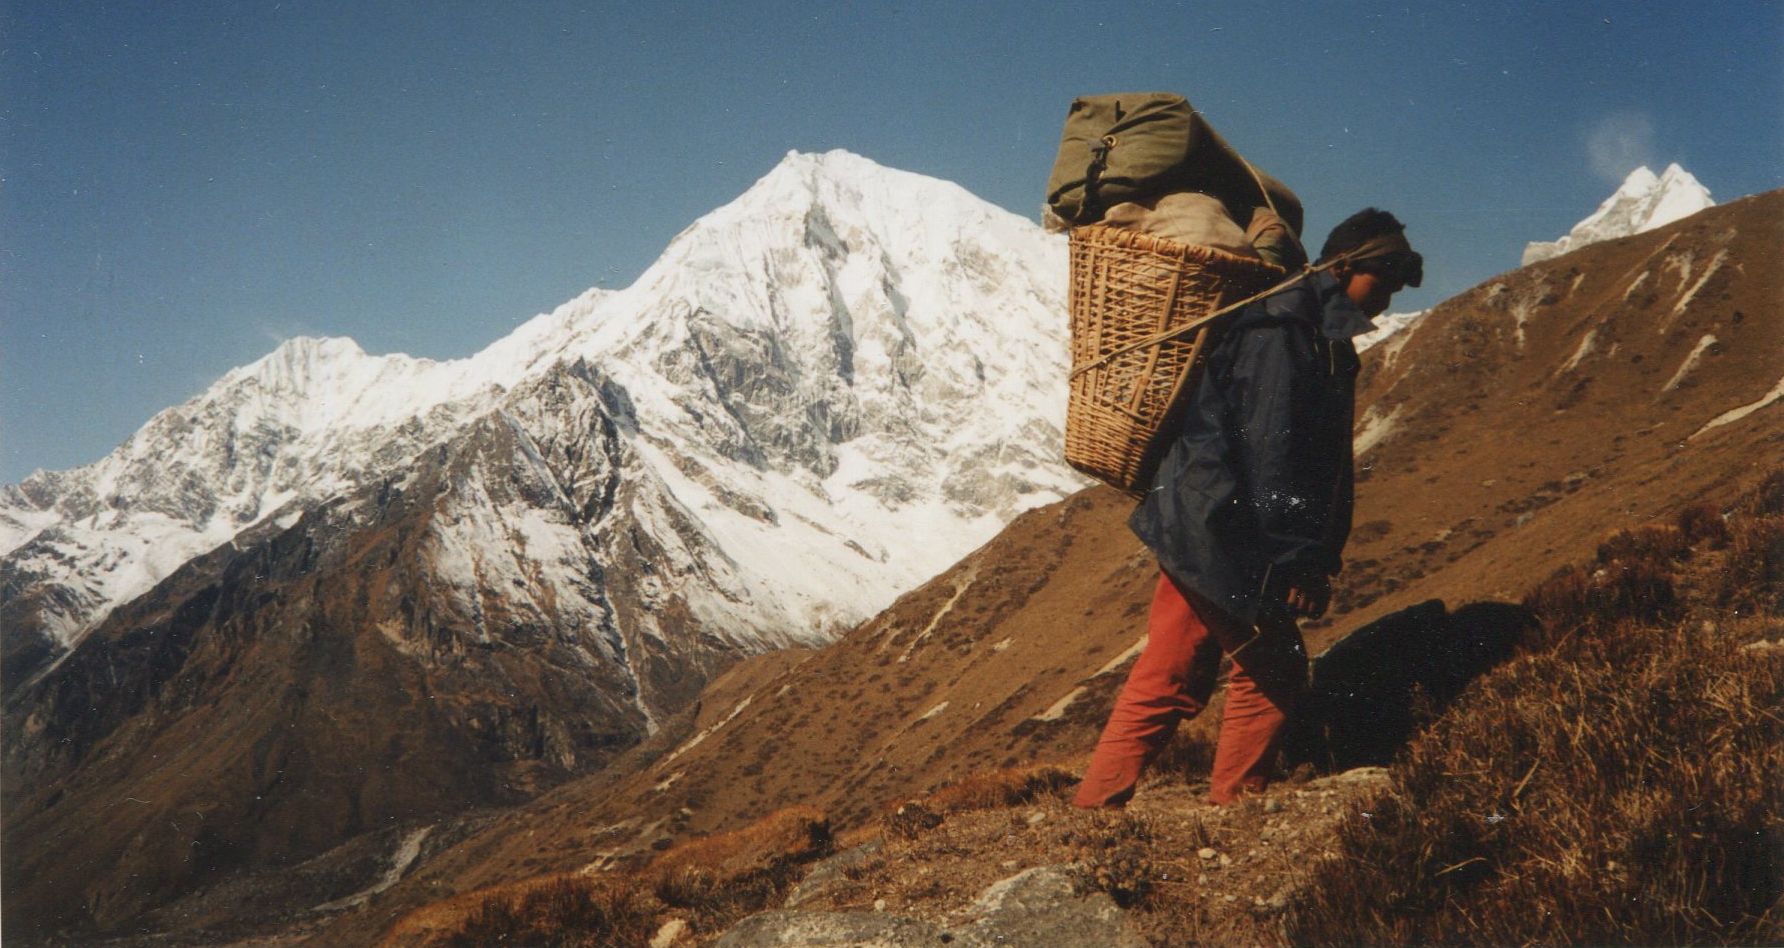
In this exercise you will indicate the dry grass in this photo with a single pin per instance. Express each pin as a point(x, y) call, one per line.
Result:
point(1115, 855)
point(1617, 786)
point(717, 880)
point(986, 790)
point(707, 883)
point(569, 911)
point(1632, 579)
point(1013, 786)
point(1615, 783)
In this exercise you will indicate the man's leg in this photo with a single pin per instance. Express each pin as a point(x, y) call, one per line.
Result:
point(1171, 681)
point(1268, 677)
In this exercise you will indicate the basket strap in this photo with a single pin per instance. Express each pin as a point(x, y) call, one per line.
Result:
point(1261, 189)
point(1198, 323)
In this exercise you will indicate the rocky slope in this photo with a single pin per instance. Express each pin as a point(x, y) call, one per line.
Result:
point(1502, 436)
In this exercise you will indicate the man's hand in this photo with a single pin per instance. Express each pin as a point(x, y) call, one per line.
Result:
point(1308, 596)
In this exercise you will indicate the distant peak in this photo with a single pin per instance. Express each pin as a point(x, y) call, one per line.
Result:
point(315, 346)
point(842, 186)
point(298, 360)
point(835, 158)
point(809, 170)
point(1676, 177)
point(1642, 203)
point(1641, 178)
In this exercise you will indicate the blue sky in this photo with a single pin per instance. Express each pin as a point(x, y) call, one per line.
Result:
point(182, 186)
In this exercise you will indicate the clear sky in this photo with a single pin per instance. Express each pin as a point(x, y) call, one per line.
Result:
point(184, 185)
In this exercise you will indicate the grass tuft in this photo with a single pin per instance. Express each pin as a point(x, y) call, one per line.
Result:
point(708, 883)
point(569, 911)
point(1012, 786)
point(1704, 525)
point(1619, 786)
point(1753, 581)
point(991, 789)
point(1114, 854)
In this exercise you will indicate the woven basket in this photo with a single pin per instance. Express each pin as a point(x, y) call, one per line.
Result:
point(1127, 287)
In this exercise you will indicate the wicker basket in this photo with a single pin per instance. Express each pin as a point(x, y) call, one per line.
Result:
point(1127, 287)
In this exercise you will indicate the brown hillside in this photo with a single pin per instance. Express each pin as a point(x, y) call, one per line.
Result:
point(1498, 438)
point(1521, 418)
point(1652, 685)
point(302, 689)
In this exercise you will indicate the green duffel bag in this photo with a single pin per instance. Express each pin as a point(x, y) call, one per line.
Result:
point(1134, 146)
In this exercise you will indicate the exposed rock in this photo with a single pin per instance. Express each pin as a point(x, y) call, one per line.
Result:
point(1042, 906)
point(671, 932)
point(838, 929)
point(829, 872)
point(1046, 906)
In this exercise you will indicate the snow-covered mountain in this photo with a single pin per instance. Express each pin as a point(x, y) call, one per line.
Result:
point(840, 383)
point(338, 592)
point(1642, 203)
point(1387, 324)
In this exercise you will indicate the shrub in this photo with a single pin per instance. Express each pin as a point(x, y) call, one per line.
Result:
point(1004, 787)
point(709, 882)
point(1621, 788)
point(1013, 786)
point(910, 820)
point(1656, 543)
point(1114, 854)
point(1190, 752)
point(568, 911)
point(1753, 581)
point(1703, 525)
point(719, 879)
point(1628, 796)
point(1768, 498)
point(1593, 599)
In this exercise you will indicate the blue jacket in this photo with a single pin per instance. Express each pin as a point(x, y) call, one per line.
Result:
point(1255, 489)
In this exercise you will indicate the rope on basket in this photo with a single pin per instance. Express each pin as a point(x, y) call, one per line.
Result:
point(1195, 324)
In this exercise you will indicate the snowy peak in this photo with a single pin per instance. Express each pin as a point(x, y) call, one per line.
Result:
point(1642, 203)
point(844, 180)
point(807, 195)
point(313, 381)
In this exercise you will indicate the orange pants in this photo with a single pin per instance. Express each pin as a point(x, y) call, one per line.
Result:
point(1172, 681)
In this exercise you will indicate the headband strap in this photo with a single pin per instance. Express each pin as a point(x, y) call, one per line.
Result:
point(1385, 245)
point(1407, 263)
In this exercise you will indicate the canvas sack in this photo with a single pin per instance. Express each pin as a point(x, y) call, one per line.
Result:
point(1185, 217)
point(1135, 146)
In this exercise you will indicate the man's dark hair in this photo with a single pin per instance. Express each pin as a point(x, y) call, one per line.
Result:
point(1357, 228)
point(1368, 224)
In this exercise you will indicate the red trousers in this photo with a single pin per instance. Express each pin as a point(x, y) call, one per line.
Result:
point(1173, 680)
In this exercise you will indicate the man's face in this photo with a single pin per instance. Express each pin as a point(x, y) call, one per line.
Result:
point(1371, 291)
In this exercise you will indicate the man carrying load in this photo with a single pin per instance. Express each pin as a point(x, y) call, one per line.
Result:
point(1248, 514)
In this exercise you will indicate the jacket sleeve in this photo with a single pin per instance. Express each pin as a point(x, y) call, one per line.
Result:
point(1272, 393)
